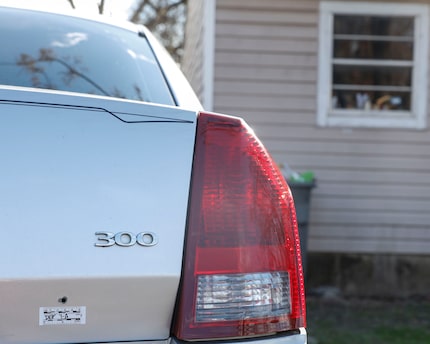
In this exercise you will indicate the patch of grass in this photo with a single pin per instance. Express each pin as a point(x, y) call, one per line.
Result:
point(365, 321)
point(403, 335)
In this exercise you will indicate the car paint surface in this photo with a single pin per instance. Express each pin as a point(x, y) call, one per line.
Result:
point(71, 167)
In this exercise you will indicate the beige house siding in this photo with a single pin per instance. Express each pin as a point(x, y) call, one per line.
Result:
point(373, 191)
point(193, 58)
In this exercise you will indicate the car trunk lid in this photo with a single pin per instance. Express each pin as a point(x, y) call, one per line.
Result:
point(74, 166)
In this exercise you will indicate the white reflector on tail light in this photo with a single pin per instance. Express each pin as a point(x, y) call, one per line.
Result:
point(242, 296)
point(242, 273)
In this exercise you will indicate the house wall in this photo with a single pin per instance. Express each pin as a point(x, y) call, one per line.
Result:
point(193, 58)
point(373, 192)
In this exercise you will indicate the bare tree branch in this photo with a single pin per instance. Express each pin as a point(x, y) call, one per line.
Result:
point(138, 10)
point(101, 6)
point(166, 19)
point(72, 4)
point(35, 67)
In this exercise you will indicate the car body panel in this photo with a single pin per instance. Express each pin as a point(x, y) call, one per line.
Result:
point(298, 337)
point(73, 166)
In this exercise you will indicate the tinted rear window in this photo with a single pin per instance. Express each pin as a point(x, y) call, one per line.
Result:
point(70, 54)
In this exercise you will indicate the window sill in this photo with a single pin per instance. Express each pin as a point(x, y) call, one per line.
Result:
point(371, 119)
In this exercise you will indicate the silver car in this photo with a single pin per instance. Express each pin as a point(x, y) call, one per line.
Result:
point(127, 212)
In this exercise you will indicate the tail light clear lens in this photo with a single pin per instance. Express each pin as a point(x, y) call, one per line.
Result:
point(242, 272)
point(239, 296)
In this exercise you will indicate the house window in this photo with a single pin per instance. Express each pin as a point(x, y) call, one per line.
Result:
point(373, 64)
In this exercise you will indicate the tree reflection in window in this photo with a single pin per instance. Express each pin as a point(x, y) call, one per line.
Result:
point(35, 66)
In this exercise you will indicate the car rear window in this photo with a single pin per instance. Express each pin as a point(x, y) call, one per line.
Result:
point(51, 51)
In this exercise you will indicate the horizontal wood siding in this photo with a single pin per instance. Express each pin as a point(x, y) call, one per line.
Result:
point(192, 61)
point(373, 185)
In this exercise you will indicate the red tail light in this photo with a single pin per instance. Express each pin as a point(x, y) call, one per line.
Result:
point(242, 270)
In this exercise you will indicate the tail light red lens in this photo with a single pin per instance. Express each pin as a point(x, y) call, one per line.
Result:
point(242, 272)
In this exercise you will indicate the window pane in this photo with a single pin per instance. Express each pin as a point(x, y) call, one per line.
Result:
point(372, 49)
point(78, 56)
point(372, 75)
point(374, 25)
point(371, 100)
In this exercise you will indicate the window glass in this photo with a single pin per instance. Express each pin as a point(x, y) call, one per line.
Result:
point(372, 49)
point(373, 37)
point(372, 62)
point(69, 54)
point(374, 25)
point(372, 87)
point(372, 75)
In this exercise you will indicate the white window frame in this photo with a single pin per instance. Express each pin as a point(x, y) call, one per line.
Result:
point(416, 118)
